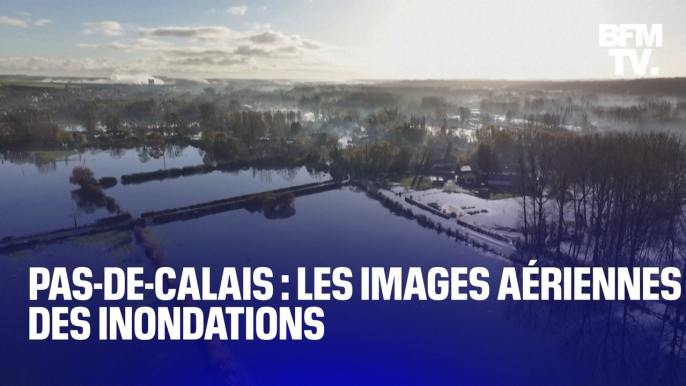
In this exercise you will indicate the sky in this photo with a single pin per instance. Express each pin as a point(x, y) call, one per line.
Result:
point(127, 40)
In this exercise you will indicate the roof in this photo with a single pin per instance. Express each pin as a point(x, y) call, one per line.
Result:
point(466, 169)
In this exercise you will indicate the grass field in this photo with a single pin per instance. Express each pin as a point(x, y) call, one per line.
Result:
point(422, 183)
point(53, 155)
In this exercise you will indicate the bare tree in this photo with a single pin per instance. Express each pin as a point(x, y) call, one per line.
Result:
point(74, 214)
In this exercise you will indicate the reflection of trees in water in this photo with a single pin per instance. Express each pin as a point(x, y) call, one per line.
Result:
point(265, 175)
point(315, 173)
point(21, 157)
point(116, 152)
point(143, 155)
point(273, 206)
point(88, 201)
point(280, 213)
point(66, 161)
point(46, 167)
point(668, 362)
point(288, 174)
point(173, 150)
point(147, 152)
point(231, 172)
point(616, 342)
point(18, 157)
point(207, 156)
point(156, 151)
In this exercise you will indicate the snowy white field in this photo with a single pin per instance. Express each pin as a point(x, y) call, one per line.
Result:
point(502, 216)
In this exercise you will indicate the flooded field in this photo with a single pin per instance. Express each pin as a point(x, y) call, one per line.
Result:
point(37, 195)
point(426, 342)
point(392, 342)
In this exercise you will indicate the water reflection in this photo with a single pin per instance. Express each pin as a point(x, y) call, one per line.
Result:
point(619, 343)
point(35, 190)
point(288, 174)
point(408, 342)
point(88, 201)
point(148, 152)
point(116, 152)
point(273, 206)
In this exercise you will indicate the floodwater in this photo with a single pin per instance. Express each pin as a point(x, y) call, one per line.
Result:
point(365, 342)
point(36, 193)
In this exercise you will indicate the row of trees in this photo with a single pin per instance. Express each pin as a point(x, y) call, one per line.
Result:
point(613, 199)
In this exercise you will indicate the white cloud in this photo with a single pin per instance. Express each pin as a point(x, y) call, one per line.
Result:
point(42, 22)
point(140, 44)
point(188, 50)
point(13, 22)
point(254, 51)
point(57, 65)
point(206, 61)
point(283, 42)
point(195, 51)
point(109, 28)
point(240, 10)
point(201, 33)
point(261, 27)
point(268, 37)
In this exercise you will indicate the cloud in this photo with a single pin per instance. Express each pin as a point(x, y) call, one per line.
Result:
point(312, 45)
point(240, 10)
point(204, 61)
point(140, 44)
point(13, 22)
point(57, 65)
point(43, 22)
point(189, 50)
point(254, 51)
point(201, 33)
point(268, 37)
point(279, 39)
point(260, 27)
point(194, 51)
point(195, 56)
point(109, 28)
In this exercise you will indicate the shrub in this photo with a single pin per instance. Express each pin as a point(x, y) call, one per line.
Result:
point(108, 182)
point(83, 177)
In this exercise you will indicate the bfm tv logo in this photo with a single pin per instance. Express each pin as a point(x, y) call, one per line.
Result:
point(618, 35)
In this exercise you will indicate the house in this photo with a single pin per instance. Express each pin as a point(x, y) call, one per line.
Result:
point(445, 169)
point(504, 179)
point(498, 181)
point(467, 174)
point(469, 178)
point(437, 181)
